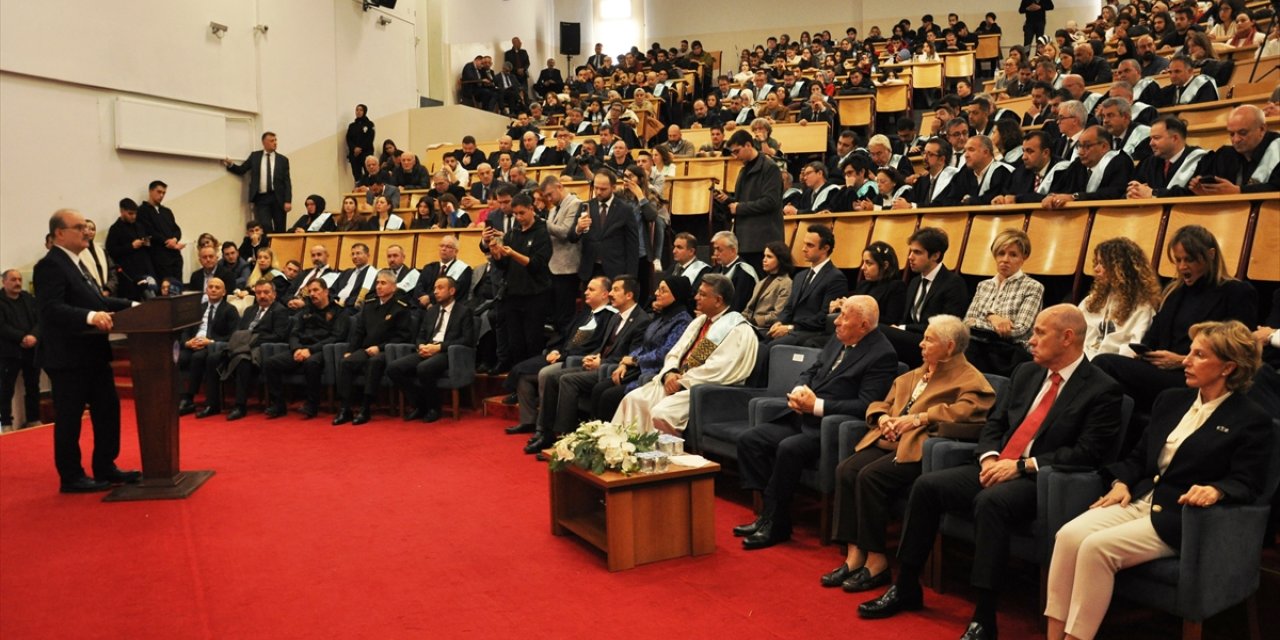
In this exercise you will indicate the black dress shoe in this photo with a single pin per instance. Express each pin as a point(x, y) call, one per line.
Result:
point(83, 484)
point(309, 411)
point(520, 428)
point(864, 581)
point(414, 414)
point(235, 414)
point(511, 399)
point(118, 476)
point(186, 407)
point(208, 411)
point(274, 411)
point(362, 417)
point(977, 631)
point(431, 415)
point(764, 537)
point(889, 604)
point(838, 575)
point(743, 530)
point(482, 368)
point(542, 441)
point(343, 417)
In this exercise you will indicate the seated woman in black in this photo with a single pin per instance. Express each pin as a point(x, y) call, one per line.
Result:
point(1202, 291)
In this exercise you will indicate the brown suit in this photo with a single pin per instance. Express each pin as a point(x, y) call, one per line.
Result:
point(957, 399)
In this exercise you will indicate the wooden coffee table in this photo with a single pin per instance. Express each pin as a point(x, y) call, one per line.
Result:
point(640, 518)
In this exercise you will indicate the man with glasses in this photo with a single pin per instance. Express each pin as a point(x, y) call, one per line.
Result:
point(818, 192)
point(75, 320)
point(933, 189)
point(1071, 123)
point(1130, 136)
point(756, 208)
point(1098, 172)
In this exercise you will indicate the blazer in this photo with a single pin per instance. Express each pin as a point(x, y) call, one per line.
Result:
point(1200, 302)
point(427, 283)
point(632, 333)
point(947, 294)
point(134, 263)
point(274, 325)
point(563, 341)
point(64, 299)
point(768, 300)
point(566, 255)
point(1230, 452)
point(615, 241)
point(281, 183)
point(305, 276)
point(381, 323)
point(1151, 172)
point(807, 305)
point(947, 196)
point(225, 320)
point(864, 375)
point(759, 196)
point(460, 330)
point(965, 185)
point(956, 399)
point(1082, 428)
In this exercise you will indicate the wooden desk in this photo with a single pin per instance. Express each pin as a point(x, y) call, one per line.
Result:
point(640, 518)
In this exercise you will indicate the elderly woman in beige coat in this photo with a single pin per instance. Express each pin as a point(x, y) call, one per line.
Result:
point(946, 396)
point(774, 288)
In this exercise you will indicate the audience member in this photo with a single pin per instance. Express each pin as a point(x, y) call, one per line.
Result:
point(266, 321)
point(1124, 296)
point(270, 185)
point(218, 319)
point(1004, 308)
point(165, 244)
point(320, 323)
point(384, 319)
point(19, 335)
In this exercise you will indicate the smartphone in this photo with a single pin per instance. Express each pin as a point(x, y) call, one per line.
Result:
point(1208, 177)
point(1139, 348)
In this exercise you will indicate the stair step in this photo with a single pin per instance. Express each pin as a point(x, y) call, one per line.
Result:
point(494, 407)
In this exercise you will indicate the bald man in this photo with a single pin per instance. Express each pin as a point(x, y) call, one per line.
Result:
point(1249, 164)
point(1057, 410)
point(409, 173)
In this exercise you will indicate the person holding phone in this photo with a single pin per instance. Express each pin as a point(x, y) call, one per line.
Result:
point(755, 210)
point(1202, 291)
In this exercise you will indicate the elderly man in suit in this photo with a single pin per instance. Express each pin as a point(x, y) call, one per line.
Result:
point(267, 321)
point(1100, 171)
point(218, 319)
point(448, 265)
point(75, 320)
point(609, 233)
point(19, 336)
point(270, 186)
point(445, 323)
point(1057, 410)
point(855, 368)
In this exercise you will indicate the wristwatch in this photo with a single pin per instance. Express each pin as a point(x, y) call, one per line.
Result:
point(1022, 466)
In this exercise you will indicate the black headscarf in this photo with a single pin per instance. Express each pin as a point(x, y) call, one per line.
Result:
point(319, 202)
point(682, 291)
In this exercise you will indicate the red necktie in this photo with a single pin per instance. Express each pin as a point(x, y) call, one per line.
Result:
point(1167, 164)
point(1031, 424)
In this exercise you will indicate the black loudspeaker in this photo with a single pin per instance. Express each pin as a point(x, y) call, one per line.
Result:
point(570, 38)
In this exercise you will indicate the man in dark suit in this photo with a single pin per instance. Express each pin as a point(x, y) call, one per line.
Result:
point(1057, 410)
point(1172, 165)
point(936, 186)
point(724, 255)
point(296, 297)
point(550, 80)
point(270, 187)
point(165, 236)
point(983, 177)
point(445, 323)
point(1032, 173)
point(217, 320)
point(1185, 87)
point(855, 368)
point(562, 388)
point(447, 265)
point(936, 290)
point(19, 336)
point(208, 257)
point(1099, 172)
point(321, 323)
point(74, 351)
point(383, 320)
point(756, 206)
point(1039, 111)
point(518, 58)
point(266, 321)
point(609, 235)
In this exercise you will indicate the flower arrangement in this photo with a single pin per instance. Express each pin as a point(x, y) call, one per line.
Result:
point(599, 446)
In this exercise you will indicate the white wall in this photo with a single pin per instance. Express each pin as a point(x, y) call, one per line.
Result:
point(485, 27)
point(63, 62)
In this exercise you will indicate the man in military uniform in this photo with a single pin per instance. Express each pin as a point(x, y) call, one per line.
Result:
point(381, 321)
point(318, 324)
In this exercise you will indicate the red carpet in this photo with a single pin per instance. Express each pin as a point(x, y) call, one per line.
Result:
point(389, 530)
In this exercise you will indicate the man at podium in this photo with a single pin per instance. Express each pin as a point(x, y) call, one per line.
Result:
point(77, 356)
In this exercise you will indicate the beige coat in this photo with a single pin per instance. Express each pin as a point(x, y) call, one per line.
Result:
point(956, 399)
point(765, 304)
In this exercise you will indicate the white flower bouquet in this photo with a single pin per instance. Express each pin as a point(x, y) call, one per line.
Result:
point(599, 446)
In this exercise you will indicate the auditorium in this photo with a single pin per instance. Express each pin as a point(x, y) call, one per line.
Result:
point(425, 318)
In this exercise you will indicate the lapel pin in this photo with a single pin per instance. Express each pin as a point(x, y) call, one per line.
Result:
point(1222, 429)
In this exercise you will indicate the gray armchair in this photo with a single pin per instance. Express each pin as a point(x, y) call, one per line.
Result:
point(720, 414)
point(1217, 566)
point(462, 371)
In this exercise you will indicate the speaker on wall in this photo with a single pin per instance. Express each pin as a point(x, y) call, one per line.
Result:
point(570, 38)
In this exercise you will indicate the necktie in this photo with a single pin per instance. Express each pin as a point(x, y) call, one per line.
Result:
point(439, 322)
point(808, 280)
point(924, 291)
point(102, 277)
point(1031, 424)
point(839, 359)
point(257, 317)
point(613, 337)
point(88, 277)
point(208, 321)
point(604, 213)
point(1036, 186)
point(1167, 164)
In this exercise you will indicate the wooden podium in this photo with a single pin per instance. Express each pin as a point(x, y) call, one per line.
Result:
point(153, 328)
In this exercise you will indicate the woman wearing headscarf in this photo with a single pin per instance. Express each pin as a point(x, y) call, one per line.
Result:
point(315, 219)
point(672, 304)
